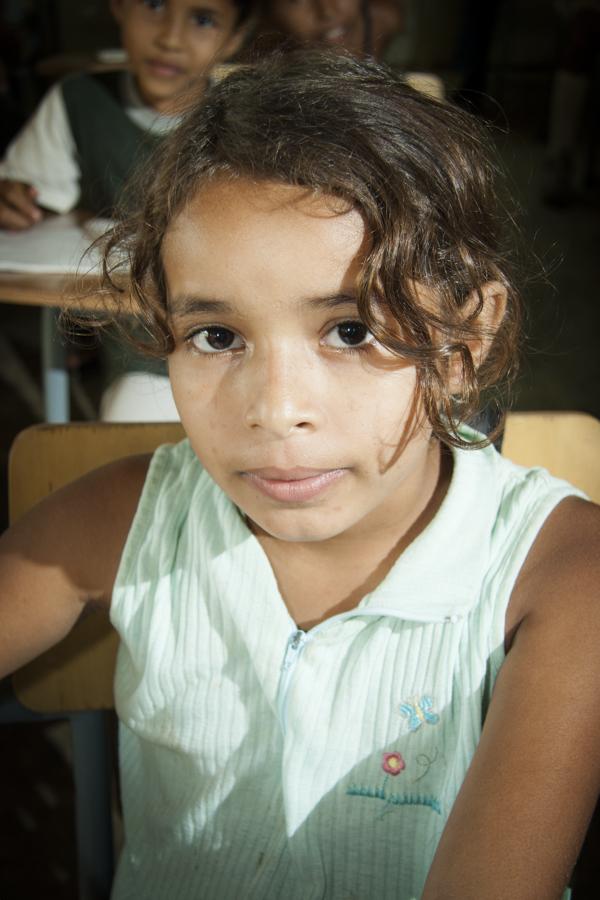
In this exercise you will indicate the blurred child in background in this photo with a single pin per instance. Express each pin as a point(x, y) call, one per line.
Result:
point(91, 130)
point(359, 26)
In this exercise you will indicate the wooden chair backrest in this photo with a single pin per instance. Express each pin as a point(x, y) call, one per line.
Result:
point(77, 673)
point(565, 443)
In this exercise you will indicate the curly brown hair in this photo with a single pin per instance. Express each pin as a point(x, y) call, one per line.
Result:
point(418, 170)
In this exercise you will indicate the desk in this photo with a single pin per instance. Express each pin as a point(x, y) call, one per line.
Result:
point(46, 266)
point(52, 293)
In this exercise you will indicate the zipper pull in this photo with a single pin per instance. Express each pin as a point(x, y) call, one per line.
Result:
point(294, 645)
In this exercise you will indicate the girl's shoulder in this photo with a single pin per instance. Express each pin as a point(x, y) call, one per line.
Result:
point(535, 770)
point(500, 507)
point(548, 532)
point(526, 532)
point(560, 575)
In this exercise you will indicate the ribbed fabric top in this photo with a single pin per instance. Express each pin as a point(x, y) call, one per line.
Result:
point(260, 761)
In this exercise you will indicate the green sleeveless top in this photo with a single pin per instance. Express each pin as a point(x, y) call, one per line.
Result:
point(110, 146)
point(260, 761)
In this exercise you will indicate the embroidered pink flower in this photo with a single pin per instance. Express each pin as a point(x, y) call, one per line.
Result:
point(393, 763)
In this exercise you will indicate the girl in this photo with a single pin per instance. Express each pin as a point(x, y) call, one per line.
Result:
point(347, 624)
point(359, 26)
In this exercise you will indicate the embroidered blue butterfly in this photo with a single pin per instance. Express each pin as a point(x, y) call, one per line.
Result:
point(419, 712)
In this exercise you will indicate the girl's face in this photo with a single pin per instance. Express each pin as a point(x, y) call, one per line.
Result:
point(335, 23)
point(173, 44)
point(287, 400)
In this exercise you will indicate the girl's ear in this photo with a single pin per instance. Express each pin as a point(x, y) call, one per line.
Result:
point(485, 324)
point(489, 318)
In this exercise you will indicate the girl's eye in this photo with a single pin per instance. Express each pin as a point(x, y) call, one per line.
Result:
point(349, 334)
point(215, 339)
point(204, 19)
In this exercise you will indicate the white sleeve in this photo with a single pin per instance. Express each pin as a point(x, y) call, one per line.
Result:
point(43, 154)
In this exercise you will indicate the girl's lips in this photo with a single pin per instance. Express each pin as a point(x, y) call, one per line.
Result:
point(163, 69)
point(293, 485)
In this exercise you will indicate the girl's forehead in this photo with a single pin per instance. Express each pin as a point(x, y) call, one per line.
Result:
point(268, 196)
point(222, 208)
point(241, 238)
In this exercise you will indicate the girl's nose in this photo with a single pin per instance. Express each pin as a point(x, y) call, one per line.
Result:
point(281, 398)
point(170, 32)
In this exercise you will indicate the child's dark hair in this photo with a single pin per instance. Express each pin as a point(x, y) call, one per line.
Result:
point(245, 7)
point(415, 167)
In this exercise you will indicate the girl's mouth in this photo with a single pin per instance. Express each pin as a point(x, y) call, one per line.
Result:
point(293, 485)
point(163, 69)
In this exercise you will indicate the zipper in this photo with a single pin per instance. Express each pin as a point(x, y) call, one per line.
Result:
point(294, 647)
point(298, 640)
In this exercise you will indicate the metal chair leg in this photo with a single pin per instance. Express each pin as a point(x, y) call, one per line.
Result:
point(93, 811)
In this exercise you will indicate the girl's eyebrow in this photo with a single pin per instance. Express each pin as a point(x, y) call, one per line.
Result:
point(204, 8)
point(331, 301)
point(187, 304)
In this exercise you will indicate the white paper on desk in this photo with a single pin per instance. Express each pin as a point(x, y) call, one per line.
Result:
point(59, 244)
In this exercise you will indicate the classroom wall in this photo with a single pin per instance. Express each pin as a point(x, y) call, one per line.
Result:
point(84, 25)
point(525, 32)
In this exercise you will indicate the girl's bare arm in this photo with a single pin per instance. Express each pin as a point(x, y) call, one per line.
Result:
point(521, 815)
point(61, 555)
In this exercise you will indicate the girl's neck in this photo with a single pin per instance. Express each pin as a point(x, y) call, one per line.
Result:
point(172, 106)
point(341, 571)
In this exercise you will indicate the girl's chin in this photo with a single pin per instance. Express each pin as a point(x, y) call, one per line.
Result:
point(295, 527)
